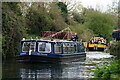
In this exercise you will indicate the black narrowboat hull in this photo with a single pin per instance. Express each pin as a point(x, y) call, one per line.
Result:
point(36, 58)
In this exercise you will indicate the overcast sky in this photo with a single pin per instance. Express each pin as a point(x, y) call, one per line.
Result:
point(102, 3)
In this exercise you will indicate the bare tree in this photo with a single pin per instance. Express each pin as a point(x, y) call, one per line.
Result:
point(72, 4)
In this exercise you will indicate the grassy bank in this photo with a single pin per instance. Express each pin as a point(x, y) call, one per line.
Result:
point(112, 70)
point(108, 71)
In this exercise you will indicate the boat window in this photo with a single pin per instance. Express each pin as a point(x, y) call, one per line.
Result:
point(65, 48)
point(72, 48)
point(28, 46)
point(32, 46)
point(80, 47)
point(58, 48)
point(69, 47)
point(44, 47)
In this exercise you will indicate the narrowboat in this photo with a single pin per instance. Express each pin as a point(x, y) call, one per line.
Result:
point(97, 44)
point(50, 51)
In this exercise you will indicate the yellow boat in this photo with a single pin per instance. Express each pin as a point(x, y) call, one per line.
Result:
point(97, 44)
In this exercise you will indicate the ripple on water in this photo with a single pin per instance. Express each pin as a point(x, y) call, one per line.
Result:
point(98, 55)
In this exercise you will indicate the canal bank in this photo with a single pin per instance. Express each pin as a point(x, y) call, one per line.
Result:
point(111, 70)
point(71, 70)
point(108, 71)
point(115, 49)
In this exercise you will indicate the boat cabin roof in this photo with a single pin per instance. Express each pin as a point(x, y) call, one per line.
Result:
point(52, 41)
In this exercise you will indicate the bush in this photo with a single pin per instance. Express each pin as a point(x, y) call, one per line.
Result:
point(115, 49)
point(107, 70)
point(13, 29)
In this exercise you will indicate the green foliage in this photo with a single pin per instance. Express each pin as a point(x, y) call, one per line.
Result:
point(63, 8)
point(95, 22)
point(14, 7)
point(83, 33)
point(32, 36)
point(106, 71)
point(115, 49)
point(38, 21)
point(55, 14)
point(101, 24)
point(78, 18)
point(13, 29)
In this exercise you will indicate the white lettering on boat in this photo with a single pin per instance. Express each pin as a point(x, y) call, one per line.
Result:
point(42, 54)
point(22, 53)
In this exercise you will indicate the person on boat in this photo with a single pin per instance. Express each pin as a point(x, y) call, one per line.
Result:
point(74, 37)
point(105, 42)
point(99, 42)
point(92, 41)
point(96, 41)
point(102, 41)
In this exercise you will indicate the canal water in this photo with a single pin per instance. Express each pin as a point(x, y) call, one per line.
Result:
point(64, 71)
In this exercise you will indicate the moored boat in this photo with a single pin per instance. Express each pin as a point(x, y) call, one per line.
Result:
point(97, 44)
point(50, 51)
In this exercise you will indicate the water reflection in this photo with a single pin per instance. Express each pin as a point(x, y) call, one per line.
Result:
point(71, 70)
point(52, 71)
